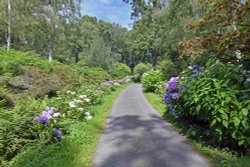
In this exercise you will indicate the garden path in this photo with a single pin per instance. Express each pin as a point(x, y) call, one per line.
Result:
point(137, 136)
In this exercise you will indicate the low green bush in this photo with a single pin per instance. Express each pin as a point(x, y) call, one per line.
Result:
point(214, 98)
point(30, 122)
point(150, 80)
point(11, 61)
point(140, 69)
point(91, 74)
point(168, 68)
point(119, 70)
point(40, 100)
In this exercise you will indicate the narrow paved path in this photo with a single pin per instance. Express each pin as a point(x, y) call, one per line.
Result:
point(137, 136)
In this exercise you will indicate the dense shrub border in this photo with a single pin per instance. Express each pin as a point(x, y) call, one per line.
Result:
point(76, 149)
point(150, 80)
point(218, 157)
point(40, 121)
point(212, 99)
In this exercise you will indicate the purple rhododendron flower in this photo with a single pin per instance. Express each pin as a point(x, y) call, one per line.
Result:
point(167, 99)
point(43, 119)
point(36, 118)
point(57, 132)
point(175, 95)
point(46, 115)
point(171, 86)
point(196, 68)
point(50, 110)
point(182, 88)
point(174, 79)
point(57, 114)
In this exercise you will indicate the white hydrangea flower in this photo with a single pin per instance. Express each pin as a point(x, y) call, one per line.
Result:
point(69, 92)
point(78, 101)
point(81, 109)
point(83, 96)
point(87, 100)
point(88, 118)
point(73, 93)
point(87, 113)
point(72, 104)
point(57, 114)
point(49, 116)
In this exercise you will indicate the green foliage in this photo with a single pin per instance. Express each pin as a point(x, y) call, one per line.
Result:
point(120, 70)
point(168, 68)
point(31, 85)
point(18, 130)
point(160, 88)
point(204, 60)
point(140, 69)
point(16, 127)
point(26, 75)
point(150, 80)
point(215, 98)
point(218, 157)
point(76, 149)
point(11, 62)
point(91, 74)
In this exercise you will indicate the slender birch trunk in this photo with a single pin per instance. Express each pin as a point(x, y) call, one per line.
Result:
point(51, 53)
point(8, 26)
point(52, 34)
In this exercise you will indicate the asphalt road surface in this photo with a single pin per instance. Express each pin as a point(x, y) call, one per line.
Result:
point(137, 136)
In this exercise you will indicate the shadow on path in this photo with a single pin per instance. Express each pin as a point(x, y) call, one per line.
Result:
point(135, 136)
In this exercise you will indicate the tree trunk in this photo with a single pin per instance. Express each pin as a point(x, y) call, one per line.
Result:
point(76, 55)
point(154, 58)
point(9, 26)
point(52, 34)
point(51, 53)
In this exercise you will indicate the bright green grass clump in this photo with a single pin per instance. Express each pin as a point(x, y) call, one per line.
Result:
point(217, 157)
point(75, 150)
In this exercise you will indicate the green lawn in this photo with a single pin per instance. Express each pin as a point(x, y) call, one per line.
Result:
point(217, 157)
point(75, 150)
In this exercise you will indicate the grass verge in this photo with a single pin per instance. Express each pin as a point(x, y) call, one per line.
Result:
point(75, 150)
point(217, 157)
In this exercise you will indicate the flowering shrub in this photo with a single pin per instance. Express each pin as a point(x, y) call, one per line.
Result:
point(120, 70)
point(160, 88)
point(212, 97)
point(150, 80)
point(22, 125)
point(172, 93)
point(111, 83)
point(48, 122)
point(140, 69)
point(88, 116)
point(168, 68)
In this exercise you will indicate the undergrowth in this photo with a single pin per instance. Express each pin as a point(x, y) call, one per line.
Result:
point(76, 149)
point(217, 156)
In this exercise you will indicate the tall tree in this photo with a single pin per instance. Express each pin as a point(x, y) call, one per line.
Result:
point(231, 19)
point(146, 10)
point(36, 24)
point(9, 25)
